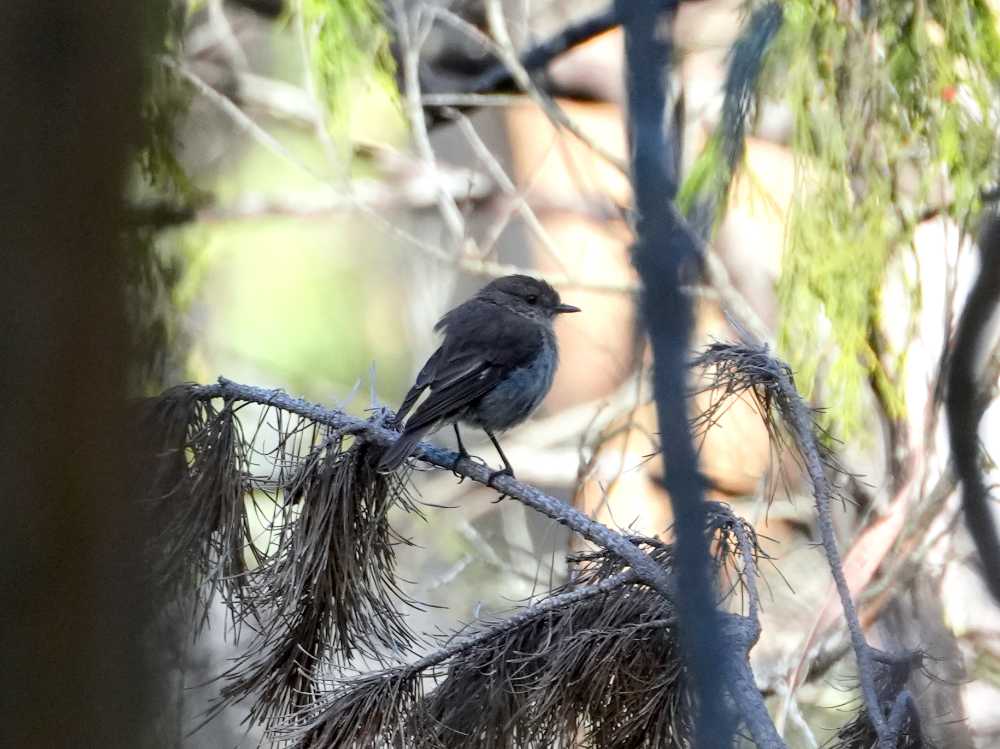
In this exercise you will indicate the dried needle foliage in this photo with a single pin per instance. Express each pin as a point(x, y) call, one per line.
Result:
point(199, 483)
point(328, 592)
point(303, 555)
point(596, 663)
point(740, 371)
point(890, 681)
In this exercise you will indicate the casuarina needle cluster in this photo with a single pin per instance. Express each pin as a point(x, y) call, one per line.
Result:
point(492, 370)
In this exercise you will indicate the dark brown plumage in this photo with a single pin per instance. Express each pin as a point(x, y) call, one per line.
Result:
point(493, 368)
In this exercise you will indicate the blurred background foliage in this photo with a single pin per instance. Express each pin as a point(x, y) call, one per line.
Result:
point(895, 119)
point(278, 299)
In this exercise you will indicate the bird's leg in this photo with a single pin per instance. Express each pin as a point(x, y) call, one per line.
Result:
point(462, 453)
point(506, 470)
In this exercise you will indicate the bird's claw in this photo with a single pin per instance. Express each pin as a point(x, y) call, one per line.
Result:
point(454, 466)
point(505, 471)
point(464, 456)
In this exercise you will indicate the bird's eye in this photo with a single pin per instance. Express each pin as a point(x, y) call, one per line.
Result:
point(531, 299)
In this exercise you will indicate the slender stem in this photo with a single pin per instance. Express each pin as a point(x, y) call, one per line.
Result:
point(412, 29)
point(800, 420)
point(502, 75)
point(645, 568)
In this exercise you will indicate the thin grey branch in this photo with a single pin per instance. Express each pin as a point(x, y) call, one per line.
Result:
point(553, 603)
point(552, 110)
point(502, 76)
point(646, 569)
point(800, 421)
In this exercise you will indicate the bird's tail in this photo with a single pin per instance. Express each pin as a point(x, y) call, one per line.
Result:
point(400, 450)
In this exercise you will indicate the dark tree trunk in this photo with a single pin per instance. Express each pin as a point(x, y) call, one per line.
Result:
point(71, 539)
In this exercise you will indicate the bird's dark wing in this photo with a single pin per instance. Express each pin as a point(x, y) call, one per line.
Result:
point(449, 401)
point(423, 380)
point(478, 351)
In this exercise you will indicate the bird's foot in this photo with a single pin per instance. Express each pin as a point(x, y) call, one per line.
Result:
point(505, 471)
point(463, 455)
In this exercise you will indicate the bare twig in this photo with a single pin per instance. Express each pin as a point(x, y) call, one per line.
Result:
point(739, 311)
point(466, 101)
point(520, 204)
point(363, 197)
point(465, 261)
point(498, 26)
point(527, 614)
point(572, 35)
point(412, 30)
point(237, 115)
point(502, 75)
point(753, 368)
point(800, 420)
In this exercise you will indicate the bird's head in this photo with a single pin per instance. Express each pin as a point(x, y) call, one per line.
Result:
point(527, 296)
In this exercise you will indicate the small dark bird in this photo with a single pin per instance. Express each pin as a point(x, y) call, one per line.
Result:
point(493, 369)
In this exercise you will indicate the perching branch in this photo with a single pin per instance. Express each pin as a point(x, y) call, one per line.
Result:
point(312, 599)
point(647, 571)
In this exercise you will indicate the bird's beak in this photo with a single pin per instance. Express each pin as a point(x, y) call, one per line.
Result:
point(561, 308)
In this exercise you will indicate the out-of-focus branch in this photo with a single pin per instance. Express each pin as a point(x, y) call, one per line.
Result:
point(498, 25)
point(661, 254)
point(371, 200)
point(412, 194)
point(412, 30)
point(518, 200)
point(266, 8)
point(962, 406)
point(536, 58)
point(738, 310)
point(502, 75)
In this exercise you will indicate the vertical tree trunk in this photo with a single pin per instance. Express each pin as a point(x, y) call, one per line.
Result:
point(71, 540)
